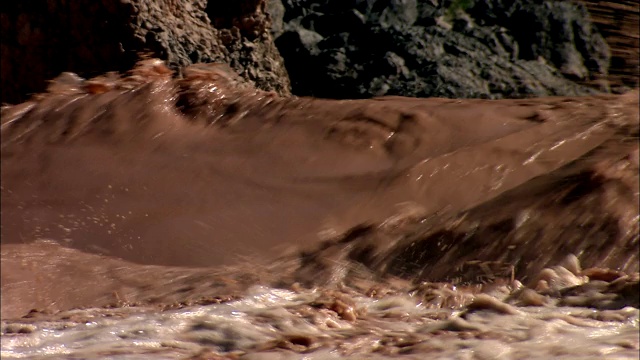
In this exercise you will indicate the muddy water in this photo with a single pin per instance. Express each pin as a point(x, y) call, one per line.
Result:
point(573, 317)
point(144, 216)
point(277, 324)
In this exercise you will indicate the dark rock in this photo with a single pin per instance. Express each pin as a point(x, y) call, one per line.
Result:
point(335, 23)
point(481, 48)
point(298, 45)
point(41, 39)
point(557, 31)
point(275, 9)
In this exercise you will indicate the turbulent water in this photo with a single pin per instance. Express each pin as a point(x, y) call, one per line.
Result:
point(150, 217)
point(269, 323)
point(280, 324)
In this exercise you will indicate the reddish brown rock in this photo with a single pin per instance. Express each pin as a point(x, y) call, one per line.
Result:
point(40, 39)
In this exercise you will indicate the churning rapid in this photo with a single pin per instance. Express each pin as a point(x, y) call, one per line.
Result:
point(182, 202)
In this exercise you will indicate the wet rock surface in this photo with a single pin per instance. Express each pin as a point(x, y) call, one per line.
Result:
point(41, 39)
point(487, 49)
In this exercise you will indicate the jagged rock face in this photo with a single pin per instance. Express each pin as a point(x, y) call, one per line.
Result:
point(42, 39)
point(461, 49)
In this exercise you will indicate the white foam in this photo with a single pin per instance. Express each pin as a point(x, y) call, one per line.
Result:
point(269, 314)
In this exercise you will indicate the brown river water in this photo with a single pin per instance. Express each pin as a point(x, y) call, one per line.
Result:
point(145, 216)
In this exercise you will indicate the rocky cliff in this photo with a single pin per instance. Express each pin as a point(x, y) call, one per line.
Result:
point(335, 48)
point(460, 49)
point(41, 39)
